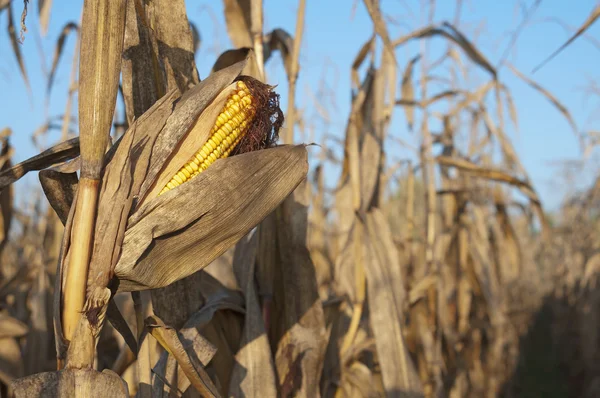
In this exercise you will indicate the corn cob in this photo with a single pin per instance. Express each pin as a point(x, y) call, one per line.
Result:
point(229, 129)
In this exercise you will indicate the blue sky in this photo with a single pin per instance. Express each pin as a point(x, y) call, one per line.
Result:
point(335, 30)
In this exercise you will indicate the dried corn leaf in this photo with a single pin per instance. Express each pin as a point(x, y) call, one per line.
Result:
point(166, 240)
point(299, 334)
point(11, 327)
point(6, 195)
point(456, 37)
point(237, 17)
point(44, 7)
point(231, 57)
point(360, 58)
point(557, 104)
point(72, 383)
point(11, 364)
point(279, 39)
point(594, 15)
point(60, 44)
point(64, 151)
point(190, 364)
point(59, 184)
point(253, 373)
point(196, 38)
point(386, 302)
point(170, 25)
point(500, 176)
point(407, 91)
point(14, 41)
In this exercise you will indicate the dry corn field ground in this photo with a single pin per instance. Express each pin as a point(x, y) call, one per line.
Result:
point(215, 234)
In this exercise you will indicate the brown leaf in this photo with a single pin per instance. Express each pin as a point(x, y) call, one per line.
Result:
point(561, 108)
point(253, 372)
point(279, 39)
point(359, 59)
point(193, 369)
point(594, 15)
point(11, 364)
point(56, 154)
point(386, 301)
point(407, 90)
point(59, 185)
point(6, 195)
point(11, 327)
point(298, 330)
point(456, 37)
point(175, 42)
point(237, 17)
point(60, 45)
point(44, 7)
point(14, 41)
point(200, 234)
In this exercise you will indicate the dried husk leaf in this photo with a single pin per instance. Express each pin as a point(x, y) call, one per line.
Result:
point(138, 160)
point(72, 383)
point(197, 235)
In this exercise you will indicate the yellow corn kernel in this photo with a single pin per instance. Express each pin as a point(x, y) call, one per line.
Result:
point(229, 129)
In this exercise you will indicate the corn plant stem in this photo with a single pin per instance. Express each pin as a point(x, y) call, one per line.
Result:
point(288, 137)
point(256, 28)
point(81, 247)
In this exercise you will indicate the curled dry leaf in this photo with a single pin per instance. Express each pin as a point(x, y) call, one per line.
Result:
point(449, 32)
point(169, 339)
point(60, 45)
point(14, 42)
point(64, 151)
point(280, 40)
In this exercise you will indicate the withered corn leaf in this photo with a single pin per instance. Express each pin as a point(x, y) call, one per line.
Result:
point(253, 374)
point(186, 229)
point(386, 299)
point(64, 151)
point(72, 383)
point(11, 327)
point(169, 339)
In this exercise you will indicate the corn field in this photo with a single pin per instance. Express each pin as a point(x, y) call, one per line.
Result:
point(220, 236)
